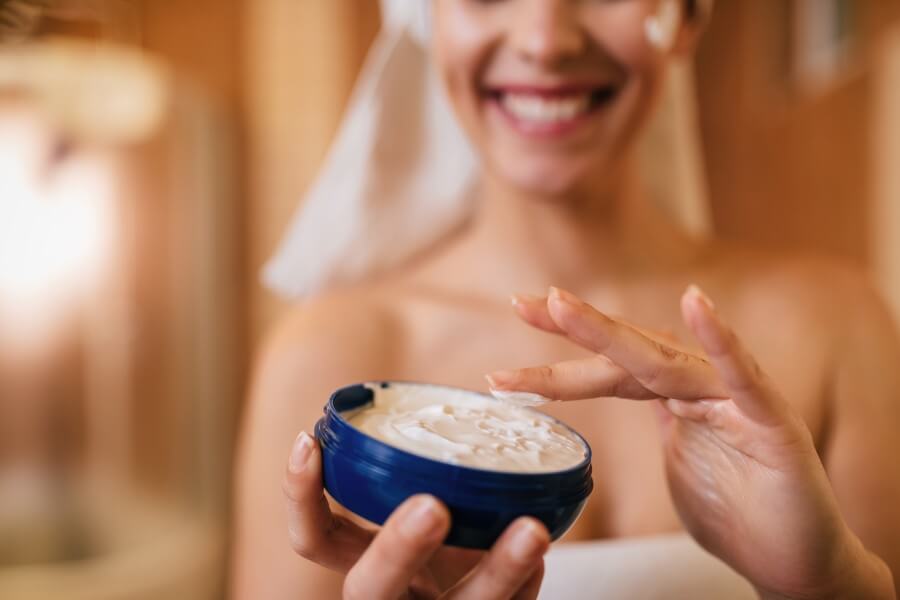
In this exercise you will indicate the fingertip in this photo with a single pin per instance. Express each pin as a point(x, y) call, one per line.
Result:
point(301, 453)
point(701, 316)
point(302, 478)
point(559, 307)
point(694, 291)
point(521, 307)
point(423, 518)
point(695, 308)
point(529, 308)
point(431, 504)
point(695, 299)
point(528, 540)
point(525, 299)
point(436, 502)
point(537, 527)
point(562, 295)
point(498, 380)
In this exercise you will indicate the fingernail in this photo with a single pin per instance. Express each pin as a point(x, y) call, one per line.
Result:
point(701, 295)
point(422, 517)
point(300, 452)
point(498, 378)
point(517, 299)
point(563, 295)
point(526, 542)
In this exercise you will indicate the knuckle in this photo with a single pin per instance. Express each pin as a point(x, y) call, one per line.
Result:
point(303, 545)
point(290, 489)
point(756, 370)
point(746, 385)
point(546, 372)
point(666, 352)
point(654, 373)
point(508, 573)
point(605, 362)
point(389, 548)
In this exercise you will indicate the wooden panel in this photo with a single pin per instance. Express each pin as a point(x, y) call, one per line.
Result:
point(785, 169)
point(886, 213)
point(302, 60)
point(200, 40)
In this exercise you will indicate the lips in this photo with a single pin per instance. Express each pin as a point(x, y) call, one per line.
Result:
point(550, 110)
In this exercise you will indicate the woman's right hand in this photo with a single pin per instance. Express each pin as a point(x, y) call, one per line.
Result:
point(405, 558)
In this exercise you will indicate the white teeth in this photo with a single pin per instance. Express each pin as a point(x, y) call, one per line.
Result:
point(544, 111)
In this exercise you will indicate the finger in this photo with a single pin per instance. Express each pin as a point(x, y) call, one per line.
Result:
point(532, 587)
point(745, 381)
point(533, 310)
point(400, 550)
point(660, 367)
point(594, 377)
point(315, 532)
point(509, 565)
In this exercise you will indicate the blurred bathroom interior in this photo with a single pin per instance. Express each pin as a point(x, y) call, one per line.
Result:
point(151, 152)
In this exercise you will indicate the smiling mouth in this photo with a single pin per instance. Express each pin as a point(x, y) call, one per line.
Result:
point(550, 110)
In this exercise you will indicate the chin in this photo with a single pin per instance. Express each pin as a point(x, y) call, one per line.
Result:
point(544, 178)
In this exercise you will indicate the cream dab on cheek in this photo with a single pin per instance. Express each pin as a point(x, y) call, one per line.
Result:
point(468, 429)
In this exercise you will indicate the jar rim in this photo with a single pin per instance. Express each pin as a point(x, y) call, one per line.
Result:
point(383, 461)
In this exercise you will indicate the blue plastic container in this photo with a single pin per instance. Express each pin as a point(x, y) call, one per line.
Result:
point(371, 478)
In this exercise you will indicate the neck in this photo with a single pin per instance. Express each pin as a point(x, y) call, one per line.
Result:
point(522, 243)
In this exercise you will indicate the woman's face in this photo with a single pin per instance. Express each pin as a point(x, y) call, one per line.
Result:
point(550, 91)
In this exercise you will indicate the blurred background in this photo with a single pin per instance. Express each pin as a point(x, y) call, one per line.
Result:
point(151, 152)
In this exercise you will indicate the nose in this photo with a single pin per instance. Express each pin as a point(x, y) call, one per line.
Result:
point(548, 31)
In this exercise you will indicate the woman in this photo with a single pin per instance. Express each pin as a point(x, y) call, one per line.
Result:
point(782, 468)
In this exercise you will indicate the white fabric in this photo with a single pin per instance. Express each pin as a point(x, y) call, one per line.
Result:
point(395, 180)
point(672, 567)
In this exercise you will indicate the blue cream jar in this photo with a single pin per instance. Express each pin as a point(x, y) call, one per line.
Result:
point(371, 477)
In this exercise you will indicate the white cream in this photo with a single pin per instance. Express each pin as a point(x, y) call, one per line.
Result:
point(468, 428)
point(520, 398)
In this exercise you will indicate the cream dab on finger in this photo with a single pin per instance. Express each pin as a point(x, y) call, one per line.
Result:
point(520, 398)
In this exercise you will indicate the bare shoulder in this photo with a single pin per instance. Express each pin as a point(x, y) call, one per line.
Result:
point(322, 344)
point(354, 323)
point(824, 319)
point(798, 290)
point(329, 341)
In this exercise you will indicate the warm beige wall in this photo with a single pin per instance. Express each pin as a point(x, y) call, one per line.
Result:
point(282, 69)
point(787, 168)
point(886, 138)
point(301, 60)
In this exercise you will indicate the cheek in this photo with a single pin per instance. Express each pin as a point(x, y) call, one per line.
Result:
point(463, 42)
point(620, 31)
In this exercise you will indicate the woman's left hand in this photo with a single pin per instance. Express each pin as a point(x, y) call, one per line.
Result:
point(741, 465)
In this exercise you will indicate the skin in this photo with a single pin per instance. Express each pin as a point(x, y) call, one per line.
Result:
point(786, 425)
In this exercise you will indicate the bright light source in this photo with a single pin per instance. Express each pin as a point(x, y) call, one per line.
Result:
point(55, 221)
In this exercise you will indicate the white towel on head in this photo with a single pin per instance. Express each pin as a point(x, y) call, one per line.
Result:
point(396, 178)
